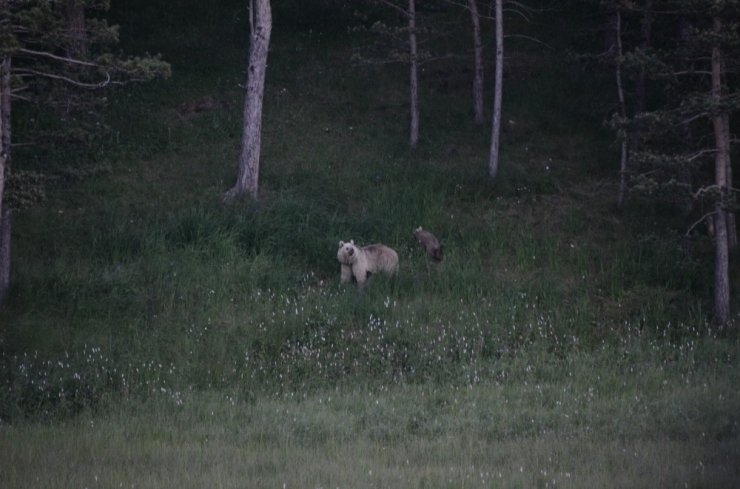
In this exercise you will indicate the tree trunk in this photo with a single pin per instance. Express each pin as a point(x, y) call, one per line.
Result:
point(4, 253)
point(75, 29)
point(722, 163)
point(493, 159)
point(721, 268)
point(414, 79)
point(623, 112)
point(610, 33)
point(478, 59)
point(731, 221)
point(247, 181)
point(646, 29)
point(5, 154)
point(5, 66)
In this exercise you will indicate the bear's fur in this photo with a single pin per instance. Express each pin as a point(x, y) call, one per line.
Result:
point(430, 243)
point(359, 262)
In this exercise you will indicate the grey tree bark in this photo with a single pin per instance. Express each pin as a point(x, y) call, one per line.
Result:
point(731, 220)
point(478, 63)
point(5, 154)
point(247, 180)
point(5, 220)
point(646, 29)
point(493, 159)
point(722, 163)
point(414, 77)
point(623, 112)
point(76, 29)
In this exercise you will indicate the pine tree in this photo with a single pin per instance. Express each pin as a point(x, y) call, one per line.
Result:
point(55, 54)
point(682, 138)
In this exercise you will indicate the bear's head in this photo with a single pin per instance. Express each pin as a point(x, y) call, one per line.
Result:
point(347, 252)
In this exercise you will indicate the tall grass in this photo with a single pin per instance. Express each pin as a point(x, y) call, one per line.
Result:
point(615, 422)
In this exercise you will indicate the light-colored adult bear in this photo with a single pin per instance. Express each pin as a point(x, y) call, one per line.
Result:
point(359, 262)
point(429, 242)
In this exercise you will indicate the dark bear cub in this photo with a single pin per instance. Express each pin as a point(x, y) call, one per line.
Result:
point(430, 243)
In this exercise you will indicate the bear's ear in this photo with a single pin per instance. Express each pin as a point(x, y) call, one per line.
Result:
point(341, 243)
point(417, 229)
point(352, 242)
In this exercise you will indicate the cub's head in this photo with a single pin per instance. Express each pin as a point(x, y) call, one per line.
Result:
point(347, 252)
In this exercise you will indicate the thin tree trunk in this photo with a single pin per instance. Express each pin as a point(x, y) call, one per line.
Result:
point(646, 29)
point(5, 220)
point(721, 267)
point(623, 112)
point(5, 154)
point(75, 29)
point(731, 221)
point(478, 59)
point(493, 159)
point(610, 33)
point(722, 163)
point(5, 100)
point(247, 181)
point(414, 78)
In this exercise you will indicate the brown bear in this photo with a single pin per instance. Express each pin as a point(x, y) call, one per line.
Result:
point(359, 262)
point(429, 242)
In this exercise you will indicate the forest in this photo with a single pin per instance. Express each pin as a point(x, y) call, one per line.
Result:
point(212, 272)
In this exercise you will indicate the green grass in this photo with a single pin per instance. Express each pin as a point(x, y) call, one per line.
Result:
point(155, 337)
point(592, 420)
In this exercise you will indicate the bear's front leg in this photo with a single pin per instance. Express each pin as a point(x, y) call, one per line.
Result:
point(360, 274)
point(346, 276)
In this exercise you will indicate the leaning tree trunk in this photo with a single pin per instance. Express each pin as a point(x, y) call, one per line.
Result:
point(722, 163)
point(5, 100)
point(247, 181)
point(478, 60)
point(414, 78)
point(493, 158)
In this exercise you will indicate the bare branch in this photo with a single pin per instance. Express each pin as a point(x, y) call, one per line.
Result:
point(518, 8)
point(520, 13)
point(699, 154)
point(20, 97)
point(57, 58)
point(529, 38)
point(70, 80)
point(706, 190)
point(689, 72)
point(701, 219)
point(392, 5)
point(521, 6)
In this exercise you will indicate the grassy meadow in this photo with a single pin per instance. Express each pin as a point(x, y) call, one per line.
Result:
point(156, 337)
